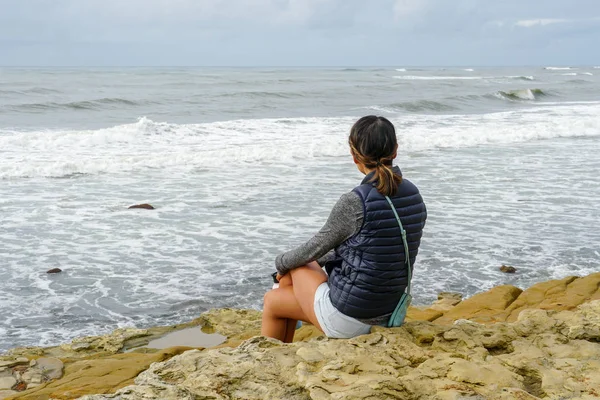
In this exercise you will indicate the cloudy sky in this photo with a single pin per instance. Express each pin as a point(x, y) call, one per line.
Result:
point(299, 32)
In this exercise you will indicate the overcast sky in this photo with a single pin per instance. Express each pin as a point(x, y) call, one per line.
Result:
point(299, 32)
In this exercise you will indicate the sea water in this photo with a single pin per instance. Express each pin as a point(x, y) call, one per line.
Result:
point(243, 164)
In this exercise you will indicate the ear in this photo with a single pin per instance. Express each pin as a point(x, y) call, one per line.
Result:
point(353, 157)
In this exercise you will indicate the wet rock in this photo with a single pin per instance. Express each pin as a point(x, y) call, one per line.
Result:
point(101, 375)
point(47, 368)
point(54, 271)
point(145, 206)
point(507, 269)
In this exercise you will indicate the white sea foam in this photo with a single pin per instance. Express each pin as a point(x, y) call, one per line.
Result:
point(469, 69)
point(558, 68)
point(436, 78)
point(401, 69)
point(381, 109)
point(158, 145)
point(460, 78)
point(523, 77)
point(570, 74)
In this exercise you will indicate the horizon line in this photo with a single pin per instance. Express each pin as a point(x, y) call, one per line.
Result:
point(306, 66)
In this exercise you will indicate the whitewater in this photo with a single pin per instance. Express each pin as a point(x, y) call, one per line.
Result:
point(242, 164)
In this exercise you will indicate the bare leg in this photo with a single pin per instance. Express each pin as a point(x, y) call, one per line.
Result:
point(290, 330)
point(291, 303)
point(280, 306)
point(305, 281)
point(286, 280)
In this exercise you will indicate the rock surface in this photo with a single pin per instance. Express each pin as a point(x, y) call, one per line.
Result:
point(507, 269)
point(543, 354)
point(54, 271)
point(501, 344)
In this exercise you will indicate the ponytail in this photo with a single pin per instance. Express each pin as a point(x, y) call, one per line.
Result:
point(387, 180)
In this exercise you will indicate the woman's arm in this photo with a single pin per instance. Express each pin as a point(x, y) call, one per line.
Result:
point(344, 221)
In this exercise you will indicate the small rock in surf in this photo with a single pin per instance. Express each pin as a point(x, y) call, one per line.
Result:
point(507, 269)
point(144, 206)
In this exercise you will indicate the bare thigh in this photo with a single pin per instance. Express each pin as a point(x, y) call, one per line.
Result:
point(305, 281)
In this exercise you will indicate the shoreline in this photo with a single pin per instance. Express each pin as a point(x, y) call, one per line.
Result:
point(229, 330)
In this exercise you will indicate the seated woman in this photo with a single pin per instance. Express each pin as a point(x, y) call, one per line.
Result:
point(367, 271)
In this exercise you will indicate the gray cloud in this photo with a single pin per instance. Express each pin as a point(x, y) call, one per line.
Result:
point(298, 32)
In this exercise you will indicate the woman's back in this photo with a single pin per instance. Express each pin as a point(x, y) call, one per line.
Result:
point(370, 272)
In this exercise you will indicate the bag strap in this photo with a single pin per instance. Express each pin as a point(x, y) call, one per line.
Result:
point(406, 251)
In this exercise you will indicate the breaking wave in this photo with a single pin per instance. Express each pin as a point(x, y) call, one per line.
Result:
point(521, 94)
point(148, 145)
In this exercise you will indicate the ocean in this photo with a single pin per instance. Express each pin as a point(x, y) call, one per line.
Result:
point(245, 163)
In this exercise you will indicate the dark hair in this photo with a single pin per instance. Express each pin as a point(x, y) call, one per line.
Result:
point(373, 143)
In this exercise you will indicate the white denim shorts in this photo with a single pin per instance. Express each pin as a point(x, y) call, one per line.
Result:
point(334, 323)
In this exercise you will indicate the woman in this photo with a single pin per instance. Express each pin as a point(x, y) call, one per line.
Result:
point(367, 267)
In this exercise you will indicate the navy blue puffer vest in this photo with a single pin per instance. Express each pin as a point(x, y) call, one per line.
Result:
point(369, 274)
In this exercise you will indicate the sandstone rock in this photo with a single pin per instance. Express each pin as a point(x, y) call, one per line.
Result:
point(109, 344)
point(54, 271)
point(420, 314)
point(7, 383)
point(484, 307)
point(44, 370)
point(7, 393)
point(144, 206)
point(101, 375)
point(507, 269)
point(562, 294)
point(444, 305)
point(457, 297)
point(529, 359)
point(545, 353)
point(12, 361)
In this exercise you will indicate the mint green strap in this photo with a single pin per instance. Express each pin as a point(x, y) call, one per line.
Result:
point(406, 252)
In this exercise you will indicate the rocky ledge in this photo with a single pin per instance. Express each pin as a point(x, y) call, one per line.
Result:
point(506, 343)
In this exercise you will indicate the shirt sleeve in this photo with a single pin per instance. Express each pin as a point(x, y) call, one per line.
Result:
point(344, 221)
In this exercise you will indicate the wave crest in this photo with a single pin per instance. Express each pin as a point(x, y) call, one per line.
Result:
point(521, 94)
point(95, 104)
point(179, 148)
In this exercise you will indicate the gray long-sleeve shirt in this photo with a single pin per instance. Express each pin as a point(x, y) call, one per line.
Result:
point(344, 221)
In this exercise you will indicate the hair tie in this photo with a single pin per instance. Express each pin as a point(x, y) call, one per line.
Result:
point(379, 163)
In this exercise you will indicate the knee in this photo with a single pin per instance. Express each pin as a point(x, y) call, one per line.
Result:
point(268, 299)
point(286, 280)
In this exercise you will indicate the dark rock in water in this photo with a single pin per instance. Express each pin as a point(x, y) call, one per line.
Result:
point(144, 206)
point(507, 269)
point(54, 271)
